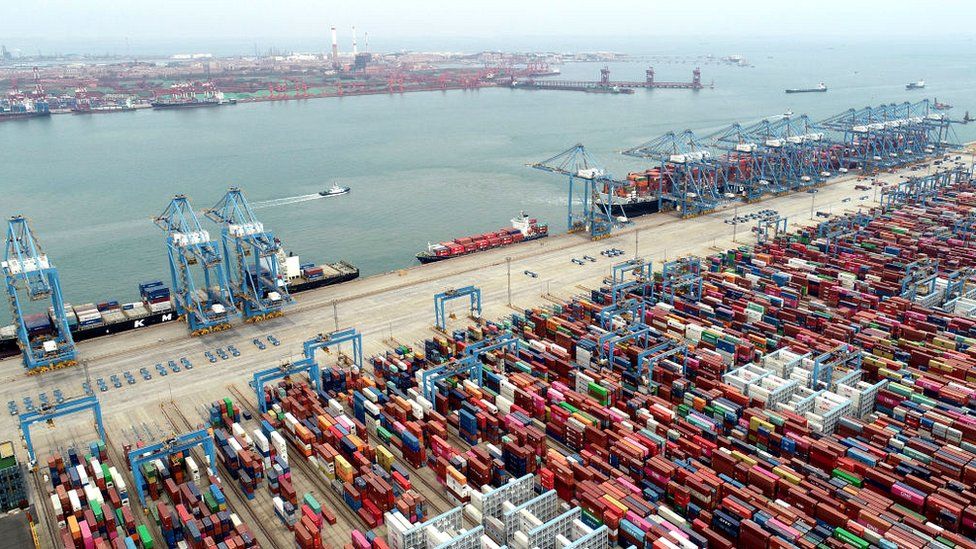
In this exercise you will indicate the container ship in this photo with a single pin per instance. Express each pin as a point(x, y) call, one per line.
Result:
point(185, 97)
point(820, 88)
point(15, 110)
point(191, 103)
point(155, 306)
point(635, 197)
point(524, 228)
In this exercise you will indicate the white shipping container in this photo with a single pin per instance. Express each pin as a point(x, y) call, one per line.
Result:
point(56, 505)
point(261, 441)
point(82, 474)
point(234, 444)
point(291, 422)
point(334, 406)
point(74, 500)
point(192, 469)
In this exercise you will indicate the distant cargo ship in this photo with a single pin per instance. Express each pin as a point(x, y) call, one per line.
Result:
point(16, 115)
point(524, 228)
point(820, 88)
point(915, 85)
point(191, 103)
point(17, 109)
point(184, 96)
point(92, 320)
point(102, 109)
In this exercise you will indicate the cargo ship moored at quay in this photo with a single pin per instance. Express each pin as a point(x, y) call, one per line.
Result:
point(155, 306)
point(524, 228)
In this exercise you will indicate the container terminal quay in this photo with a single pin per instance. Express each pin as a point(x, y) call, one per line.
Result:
point(776, 357)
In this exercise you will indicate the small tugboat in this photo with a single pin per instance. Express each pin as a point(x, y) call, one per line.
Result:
point(335, 190)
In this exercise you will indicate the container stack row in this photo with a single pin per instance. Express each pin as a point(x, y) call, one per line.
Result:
point(365, 476)
point(90, 501)
point(190, 508)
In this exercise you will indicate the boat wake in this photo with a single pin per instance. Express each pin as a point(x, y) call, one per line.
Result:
point(260, 205)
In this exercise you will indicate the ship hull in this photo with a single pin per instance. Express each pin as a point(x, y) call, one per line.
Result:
point(635, 209)
point(101, 111)
point(193, 105)
point(22, 115)
point(427, 257)
point(813, 90)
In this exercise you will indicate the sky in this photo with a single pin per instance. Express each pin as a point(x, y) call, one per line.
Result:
point(93, 24)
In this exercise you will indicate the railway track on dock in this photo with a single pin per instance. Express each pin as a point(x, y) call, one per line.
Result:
point(139, 513)
point(51, 523)
point(328, 493)
point(183, 424)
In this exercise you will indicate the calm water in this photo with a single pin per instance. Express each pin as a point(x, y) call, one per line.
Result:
point(423, 167)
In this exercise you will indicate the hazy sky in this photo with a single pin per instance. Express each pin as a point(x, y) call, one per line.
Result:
point(173, 20)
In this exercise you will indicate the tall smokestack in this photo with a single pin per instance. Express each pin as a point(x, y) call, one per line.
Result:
point(366, 45)
point(355, 49)
point(335, 45)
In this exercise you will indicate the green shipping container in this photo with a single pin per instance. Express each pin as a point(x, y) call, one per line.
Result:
point(311, 502)
point(145, 540)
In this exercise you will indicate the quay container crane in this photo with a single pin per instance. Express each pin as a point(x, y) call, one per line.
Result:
point(208, 308)
point(886, 136)
point(44, 338)
point(252, 258)
point(799, 153)
point(591, 191)
point(692, 181)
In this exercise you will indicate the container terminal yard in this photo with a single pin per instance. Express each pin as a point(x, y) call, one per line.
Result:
point(673, 380)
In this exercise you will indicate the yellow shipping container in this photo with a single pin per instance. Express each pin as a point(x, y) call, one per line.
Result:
point(612, 501)
point(343, 469)
point(384, 458)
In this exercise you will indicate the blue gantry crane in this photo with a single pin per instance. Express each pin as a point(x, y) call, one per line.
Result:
point(681, 278)
point(797, 151)
point(751, 167)
point(770, 227)
point(470, 364)
point(692, 181)
point(471, 292)
point(251, 258)
point(48, 412)
point(307, 363)
point(889, 135)
point(631, 290)
point(207, 308)
point(28, 273)
point(162, 450)
point(591, 191)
